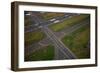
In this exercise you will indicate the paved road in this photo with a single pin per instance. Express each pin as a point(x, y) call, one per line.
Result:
point(75, 27)
point(67, 32)
point(40, 22)
point(66, 52)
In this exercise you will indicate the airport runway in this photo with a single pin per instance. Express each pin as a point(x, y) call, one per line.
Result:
point(64, 52)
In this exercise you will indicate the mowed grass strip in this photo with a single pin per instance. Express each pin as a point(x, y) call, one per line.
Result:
point(44, 53)
point(50, 15)
point(33, 37)
point(78, 42)
point(69, 22)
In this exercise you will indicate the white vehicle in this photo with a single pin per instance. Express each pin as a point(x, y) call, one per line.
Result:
point(56, 21)
point(52, 19)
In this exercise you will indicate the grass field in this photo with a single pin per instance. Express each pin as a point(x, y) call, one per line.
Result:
point(69, 22)
point(33, 37)
point(78, 41)
point(50, 15)
point(45, 53)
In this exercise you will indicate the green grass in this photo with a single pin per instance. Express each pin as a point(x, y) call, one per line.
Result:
point(50, 15)
point(45, 53)
point(33, 37)
point(68, 22)
point(77, 42)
